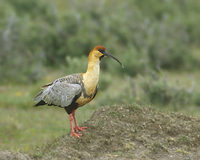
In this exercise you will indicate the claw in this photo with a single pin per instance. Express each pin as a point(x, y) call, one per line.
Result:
point(75, 134)
point(77, 128)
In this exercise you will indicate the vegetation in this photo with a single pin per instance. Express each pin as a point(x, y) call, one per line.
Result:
point(44, 40)
point(42, 33)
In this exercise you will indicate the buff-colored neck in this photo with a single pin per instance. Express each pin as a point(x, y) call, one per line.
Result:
point(91, 77)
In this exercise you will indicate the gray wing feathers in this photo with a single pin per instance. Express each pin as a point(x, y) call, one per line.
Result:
point(60, 93)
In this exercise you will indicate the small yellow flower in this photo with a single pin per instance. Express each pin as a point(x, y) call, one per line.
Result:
point(18, 94)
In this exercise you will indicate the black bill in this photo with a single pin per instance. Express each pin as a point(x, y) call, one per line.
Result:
point(109, 55)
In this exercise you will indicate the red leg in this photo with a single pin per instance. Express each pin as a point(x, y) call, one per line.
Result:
point(72, 129)
point(77, 128)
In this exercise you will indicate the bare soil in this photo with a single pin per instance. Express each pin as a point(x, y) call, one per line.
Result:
point(129, 132)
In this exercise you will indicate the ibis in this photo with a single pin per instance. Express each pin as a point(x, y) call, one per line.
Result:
point(73, 91)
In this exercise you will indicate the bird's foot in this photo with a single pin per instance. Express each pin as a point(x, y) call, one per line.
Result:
point(77, 128)
point(75, 134)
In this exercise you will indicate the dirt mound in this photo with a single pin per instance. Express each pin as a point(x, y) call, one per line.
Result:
point(131, 132)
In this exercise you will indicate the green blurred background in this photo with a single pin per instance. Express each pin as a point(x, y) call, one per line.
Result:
point(41, 40)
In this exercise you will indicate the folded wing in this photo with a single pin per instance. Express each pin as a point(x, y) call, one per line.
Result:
point(59, 93)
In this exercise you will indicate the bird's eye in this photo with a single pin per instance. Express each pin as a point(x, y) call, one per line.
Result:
point(101, 50)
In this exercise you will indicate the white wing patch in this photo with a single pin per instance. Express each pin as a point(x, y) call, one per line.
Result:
point(60, 93)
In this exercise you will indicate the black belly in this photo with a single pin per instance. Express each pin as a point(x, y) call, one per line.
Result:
point(73, 106)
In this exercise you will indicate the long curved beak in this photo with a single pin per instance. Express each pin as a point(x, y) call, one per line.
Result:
point(109, 55)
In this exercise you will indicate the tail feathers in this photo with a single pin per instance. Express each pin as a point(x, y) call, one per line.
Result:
point(40, 103)
point(38, 99)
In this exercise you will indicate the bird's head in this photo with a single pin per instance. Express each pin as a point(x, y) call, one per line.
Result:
point(99, 52)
